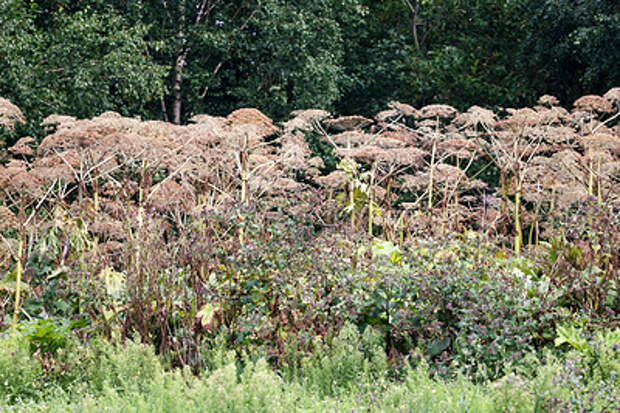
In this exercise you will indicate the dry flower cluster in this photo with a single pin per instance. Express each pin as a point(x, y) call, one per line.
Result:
point(9, 114)
point(422, 169)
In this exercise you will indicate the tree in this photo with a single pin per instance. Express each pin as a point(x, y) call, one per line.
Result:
point(74, 62)
point(172, 59)
point(272, 54)
point(571, 48)
point(430, 51)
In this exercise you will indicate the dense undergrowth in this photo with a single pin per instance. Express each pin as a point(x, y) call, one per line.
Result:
point(224, 266)
point(287, 323)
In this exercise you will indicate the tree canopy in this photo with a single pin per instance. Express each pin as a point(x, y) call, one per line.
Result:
point(172, 59)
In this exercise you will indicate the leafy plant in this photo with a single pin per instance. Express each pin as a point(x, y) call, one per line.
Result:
point(575, 337)
point(47, 335)
point(347, 361)
point(19, 371)
point(592, 367)
point(583, 264)
point(465, 309)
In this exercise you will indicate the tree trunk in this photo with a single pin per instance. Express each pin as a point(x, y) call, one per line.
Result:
point(178, 67)
point(176, 90)
point(415, 10)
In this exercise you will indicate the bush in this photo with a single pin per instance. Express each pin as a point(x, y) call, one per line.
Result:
point(46, 335)
point(466, 309)
point(101, 365)
point(347, 376)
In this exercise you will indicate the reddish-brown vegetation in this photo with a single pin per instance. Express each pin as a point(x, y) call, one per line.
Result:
point(425, 161)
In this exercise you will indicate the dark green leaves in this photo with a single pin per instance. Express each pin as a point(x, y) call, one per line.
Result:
point(80, 63)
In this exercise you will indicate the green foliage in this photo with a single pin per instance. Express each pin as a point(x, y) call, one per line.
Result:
point(274, 288)
point(348, 361)
point(290, 55)
point(466, 310)
point(48, 335)
point(377, 63)
point(572, 45)
point(283, 321)
point(187, 291)
point(101, 365)
point(459, 302)
point(592, 368)
point(74, 62)
point(465, 54)
point(84, 57)
point(122, 384)
point(32, 127)
point(322, 149)
point(19, 371)
point(271, 54)
point(494, 53)
point(358, 184)
point(575, 337)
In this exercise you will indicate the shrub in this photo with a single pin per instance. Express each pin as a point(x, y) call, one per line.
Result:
point(466, 309)
point(131, 365)
point(556, 385)
point(46, 335)
point(586, 378)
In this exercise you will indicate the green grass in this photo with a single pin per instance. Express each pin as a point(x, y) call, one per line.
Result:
point(259, 389)
point(130, 378)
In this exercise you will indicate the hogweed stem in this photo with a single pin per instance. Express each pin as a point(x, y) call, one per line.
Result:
point(18, 281)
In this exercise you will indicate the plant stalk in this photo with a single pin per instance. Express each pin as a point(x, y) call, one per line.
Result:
point(371, 200)
point(18, 281)
point(519, 236)
point(590, 174)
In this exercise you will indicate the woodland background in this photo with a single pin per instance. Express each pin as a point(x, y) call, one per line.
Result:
point(170, 60)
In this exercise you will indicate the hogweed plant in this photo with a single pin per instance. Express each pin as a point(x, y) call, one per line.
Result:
point(28, 203)
point(225, 233)
point(512, 150)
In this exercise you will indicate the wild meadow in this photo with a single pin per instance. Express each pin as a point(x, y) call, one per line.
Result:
point(420, 260)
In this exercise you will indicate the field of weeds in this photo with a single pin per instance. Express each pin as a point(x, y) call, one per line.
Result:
point(423, 260)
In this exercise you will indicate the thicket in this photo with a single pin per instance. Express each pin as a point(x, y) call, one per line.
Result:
point(481, 246)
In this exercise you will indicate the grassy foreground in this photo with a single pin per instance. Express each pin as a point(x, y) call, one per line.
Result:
point(343, 378)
